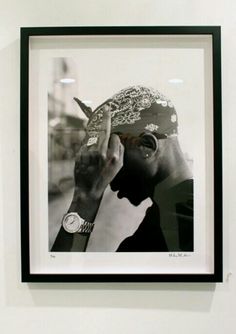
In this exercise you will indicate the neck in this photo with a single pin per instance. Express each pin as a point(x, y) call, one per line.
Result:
point(174, 167)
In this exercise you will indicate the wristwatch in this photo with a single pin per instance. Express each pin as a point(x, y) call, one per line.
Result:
point(73, 223)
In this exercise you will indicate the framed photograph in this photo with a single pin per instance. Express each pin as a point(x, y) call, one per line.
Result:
point(121, 177)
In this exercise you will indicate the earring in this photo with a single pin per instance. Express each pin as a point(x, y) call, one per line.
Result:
point(146, 156)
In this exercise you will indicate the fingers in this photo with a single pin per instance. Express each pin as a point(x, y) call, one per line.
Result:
point(114, 153)
point(107, 148)
point(115, 149)
point(88, 158)
point(100, 142)
point(105, 131)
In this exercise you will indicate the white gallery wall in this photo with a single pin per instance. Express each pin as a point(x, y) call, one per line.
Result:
point(110, 308)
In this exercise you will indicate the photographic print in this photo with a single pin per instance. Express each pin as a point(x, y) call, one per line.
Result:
point(121, 161)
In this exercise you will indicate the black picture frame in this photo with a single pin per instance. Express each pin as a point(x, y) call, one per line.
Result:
point(214, 32)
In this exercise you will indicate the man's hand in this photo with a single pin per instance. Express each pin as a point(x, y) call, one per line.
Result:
point(95, 167)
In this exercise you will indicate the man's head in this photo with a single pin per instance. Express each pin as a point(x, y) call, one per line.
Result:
point(135, 110)
point(146, 123)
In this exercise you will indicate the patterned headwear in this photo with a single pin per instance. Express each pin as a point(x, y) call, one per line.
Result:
point(135, 110)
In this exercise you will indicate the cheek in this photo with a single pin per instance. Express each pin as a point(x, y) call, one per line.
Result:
point(134, 162)
point(138, 166)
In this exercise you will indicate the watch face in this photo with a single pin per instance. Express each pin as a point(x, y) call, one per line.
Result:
point(71, 222)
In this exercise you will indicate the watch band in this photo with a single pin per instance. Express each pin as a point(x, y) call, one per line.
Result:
point(86, 227)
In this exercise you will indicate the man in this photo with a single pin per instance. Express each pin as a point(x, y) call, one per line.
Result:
point(132, 145)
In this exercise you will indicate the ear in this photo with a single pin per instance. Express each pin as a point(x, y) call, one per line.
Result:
point(148, 145)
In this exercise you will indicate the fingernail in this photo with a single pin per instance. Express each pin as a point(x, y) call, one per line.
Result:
point(107, 108)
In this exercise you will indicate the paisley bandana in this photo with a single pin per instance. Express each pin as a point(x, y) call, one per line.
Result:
point(135, 110)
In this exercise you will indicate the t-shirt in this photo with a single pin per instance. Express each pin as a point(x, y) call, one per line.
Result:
point(168, 223)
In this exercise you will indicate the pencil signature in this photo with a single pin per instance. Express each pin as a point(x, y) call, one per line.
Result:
point(179, 254)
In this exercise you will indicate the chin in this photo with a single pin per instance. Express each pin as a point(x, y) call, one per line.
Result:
point(135, 200)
